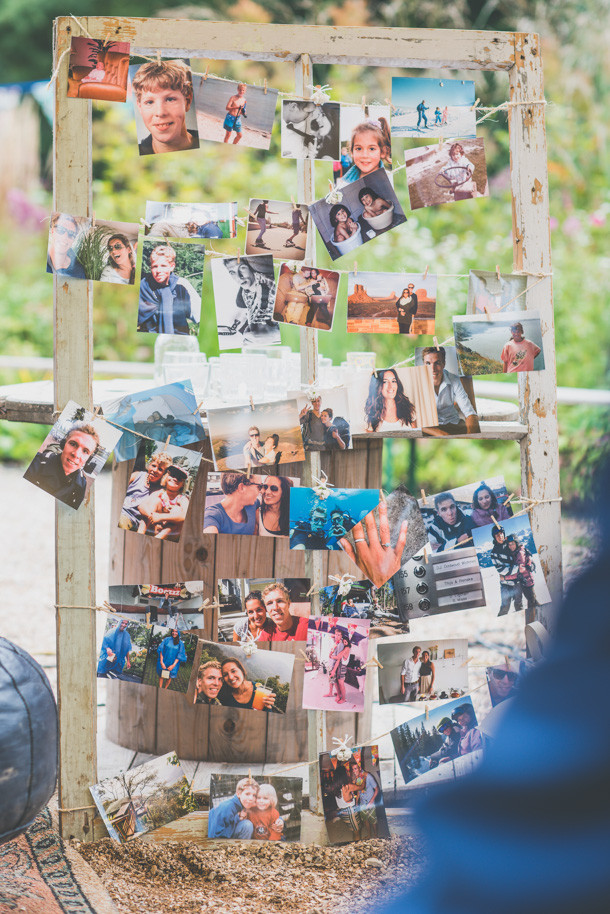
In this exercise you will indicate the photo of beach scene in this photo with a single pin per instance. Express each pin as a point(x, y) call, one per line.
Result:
point(391, 303)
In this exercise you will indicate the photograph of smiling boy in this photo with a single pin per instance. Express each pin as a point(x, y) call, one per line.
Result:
point(310, 131)
point(264, 808)
point(66, 234)
point(72, 454)
point(258, 681)
point(499, 343)
point(249, 611)
point(455, 401)
point(365, 135)
point(163, 106)
point(234, 112)
point(170, 287)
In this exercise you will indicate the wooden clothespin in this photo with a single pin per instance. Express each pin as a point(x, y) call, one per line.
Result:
point(436, 342)
point(495, 522)
point(292, 201)
point(205, 75)
point(96, 411)
point(250, 773)
point(425, 556)
point(198, 407)
point(364, 104)
point(423, 497)
point(382, 497)
point(498, 277)
point(355, 267)
point(466, 662)
point(265, 85)
point(426, 709)
point(330, 184)
point(374, 662)
point(506, 659)
point(167, 440)
point(487, 315)
point(248, 469)
point(388, 102)
point(158, 57)
point(238, 255)
point(301, 651)
point(426, 271)
point(476, 105)
point(251, 403)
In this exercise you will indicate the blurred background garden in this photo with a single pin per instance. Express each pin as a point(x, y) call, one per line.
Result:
point(450, 239)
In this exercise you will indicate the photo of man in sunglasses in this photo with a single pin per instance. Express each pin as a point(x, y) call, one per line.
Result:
point(65, 234)
point(503, 680)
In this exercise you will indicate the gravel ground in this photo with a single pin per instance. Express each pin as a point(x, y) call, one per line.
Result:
point(242, 878)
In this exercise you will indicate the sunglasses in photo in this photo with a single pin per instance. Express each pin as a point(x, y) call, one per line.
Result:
point(273, 488)
point(64, 231)
point(116, 246)
point(177, 474)
point(505, 674)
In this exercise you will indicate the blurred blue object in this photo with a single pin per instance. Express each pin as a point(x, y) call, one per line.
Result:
point(529, 832)
point(28, 740)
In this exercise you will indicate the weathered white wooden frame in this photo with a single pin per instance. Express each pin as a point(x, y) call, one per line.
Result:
point(516, 53)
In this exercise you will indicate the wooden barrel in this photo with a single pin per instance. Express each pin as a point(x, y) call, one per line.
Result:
point(158, 721)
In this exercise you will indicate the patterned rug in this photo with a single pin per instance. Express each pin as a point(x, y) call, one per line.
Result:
point(40, 874)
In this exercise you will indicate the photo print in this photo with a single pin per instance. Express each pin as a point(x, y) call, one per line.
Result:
point(320, 522)
point(163, 106)
point(489, 292)
point(324, 419)
point(504, 680)
point(387, 537)
point(244, 296)
point(278, 227)
point(446, 582)
point(170, 287)
point(248, 505)
point(234, 112)
point(168, 604)
point(512, 574)
point(166, 413)
point(446, 172)
point(263, 609)
point(310, 131)
point(390, 400)
point(191, 220)
point(366, 144)
point(264, 808)
point(98, 69)
point(265, 434)
point(97, 250)
point(363, 209)
point(231, 676)
point(391, 303)
point(66, 234)
point(455, 401)
point(422, 670)
point(499, 343)
point(433, 107)
point(306, 296)
point(143, 798)
point(365, 601)
point(451, 516)
point(159, 490)
point(352, 797)
point(72, 454)
point(335, 669)
point(153, 655)
point(439, 746)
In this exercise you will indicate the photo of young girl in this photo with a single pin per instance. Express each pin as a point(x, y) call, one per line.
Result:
point(366, 140)
point(446, 172)
point(357, 213)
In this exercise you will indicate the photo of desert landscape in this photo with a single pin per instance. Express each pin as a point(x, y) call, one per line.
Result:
point(372, 302)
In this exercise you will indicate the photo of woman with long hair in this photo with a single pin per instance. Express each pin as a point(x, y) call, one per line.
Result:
point(273, 513)
point(387, 407)
point(486, 507)
point(121, 266)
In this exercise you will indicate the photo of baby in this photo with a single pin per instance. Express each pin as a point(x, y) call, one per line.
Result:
point(262, 809)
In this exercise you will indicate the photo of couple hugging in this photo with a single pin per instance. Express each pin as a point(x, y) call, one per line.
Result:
point(267, 809)
point(322, 430)
point(352, 796)
point(231, 676)
point(268, 617)
point(306, 296)
point(247, 505)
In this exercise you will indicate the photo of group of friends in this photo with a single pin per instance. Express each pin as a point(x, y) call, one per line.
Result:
point(440, 745)
point(366, 144)
point(439, 582)
point(244, 297)
point(491, 291)
point(277, 227)
point(143, 798)
point(451, 516)
point(89, 249)
point(178, 603)
point(159, 490)
point(322, 520)
point(248, 504)
point(231, 676)
point(433, 107)
point(309, 130)
point(352, 796)
point(387, 537)
point(454, 394)
point(163, 106)
point(421, 670)
point(191, 220)
point(501, 343)
point(391, 303)
point(263, 609)
point(306, 296)
point(263, 808)
point(72, 454)
point(392, 400)
point(263, 434)
point(364, 209)
point(446, 172)
point(98, 69)
point(167, 413)
point(234, 112)
point(170, 287)
point(324, 420)
point(155, 655)
point(335, 668)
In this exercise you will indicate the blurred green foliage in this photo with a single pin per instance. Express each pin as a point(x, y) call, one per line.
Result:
point(450, 239)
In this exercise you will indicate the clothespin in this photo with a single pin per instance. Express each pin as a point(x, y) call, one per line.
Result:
point(425, 557)
point(382, 497)
point(322, 485)
point(330, 184)
point(248, 647)
point(238, 255)
point(251, 403)
point(426, 271)
point(198, 407)
point(265, 84)
point(426, 709)
point(313, 589)
point(167, 440)
point(301, 651)
point(507, 660)
point(107, 606)
point(355, 267)
point(248, 469)
point(250, 773)
point(423, 496)
point(374, 662)
point(495, 521)
point(466, 662)
point(292, 201)
point(476, 105)
point(364, 104)
point(388, 102)
point(498, 272)
point(96, 411)
point(205, 75)
point(436, 342)
point(158, 57)
point(486, 311)
point(93, 219)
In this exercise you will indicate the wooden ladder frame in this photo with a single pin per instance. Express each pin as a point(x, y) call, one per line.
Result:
point(516, 53)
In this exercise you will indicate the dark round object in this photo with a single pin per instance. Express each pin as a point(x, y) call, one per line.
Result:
point(28, 740)
point(419, 571)
point(422, 587)
point(424, 604)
